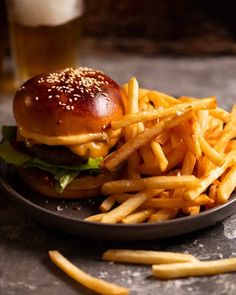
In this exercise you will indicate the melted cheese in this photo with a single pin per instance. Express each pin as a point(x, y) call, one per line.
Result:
point(91, 149)
point(96, 149)
point(84, 145)
point(63, 140)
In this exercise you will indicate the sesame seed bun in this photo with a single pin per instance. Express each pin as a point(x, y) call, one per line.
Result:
point(67, 103)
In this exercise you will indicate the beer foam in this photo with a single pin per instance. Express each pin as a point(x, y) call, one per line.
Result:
point(46, 12)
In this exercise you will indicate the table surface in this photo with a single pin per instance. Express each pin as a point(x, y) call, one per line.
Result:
point(24, 264)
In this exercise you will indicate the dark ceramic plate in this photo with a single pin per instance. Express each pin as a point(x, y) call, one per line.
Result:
point(68, 215)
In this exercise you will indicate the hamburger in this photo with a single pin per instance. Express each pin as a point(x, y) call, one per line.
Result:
point(61, 135)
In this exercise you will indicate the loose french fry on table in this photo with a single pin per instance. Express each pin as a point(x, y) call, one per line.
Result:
point(193, 269)
point(92, 283)
point(146, 256)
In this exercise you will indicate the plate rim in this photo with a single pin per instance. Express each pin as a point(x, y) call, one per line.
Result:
point(10, 190)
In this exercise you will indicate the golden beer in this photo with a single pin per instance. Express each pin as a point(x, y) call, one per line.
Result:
point(46, 41)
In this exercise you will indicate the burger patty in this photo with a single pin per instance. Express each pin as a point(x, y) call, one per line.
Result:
point(57, 155)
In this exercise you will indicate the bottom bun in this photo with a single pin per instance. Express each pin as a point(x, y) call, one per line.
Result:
point(81, 187)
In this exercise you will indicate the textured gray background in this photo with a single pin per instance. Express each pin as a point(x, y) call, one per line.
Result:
point(24, 265)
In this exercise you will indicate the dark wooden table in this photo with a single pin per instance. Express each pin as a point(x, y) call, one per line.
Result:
point(24, 264)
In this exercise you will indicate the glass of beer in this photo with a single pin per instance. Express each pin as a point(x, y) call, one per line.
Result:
point(44, 35)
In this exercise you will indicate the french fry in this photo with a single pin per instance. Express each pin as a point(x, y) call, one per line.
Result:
point(123, 186)
point(215, 127)
point(132, 106)
point(228, 133)
point(159, 154)
point(129, 206)
point(125, 89)
point(210, 152)
point(187, 169)
point(167, 147)
point(220, 114)
point(203, 117)
point(146, 257)
point(138, 217)
point(173, 158)
point(212, 142)
point(121, 198)
point(192, 210)
point(95, 218)
point(133, 96)
point(175, 139)
point(147, 155)
point(121, 154)
point(231, 146)
point(227, 185)
point(133, 166)
point(211, 177)
point(158, 182)
point(190, 139)
point(107, 204)
point(178, 147)
point(169, 203)
point(163, 137)
point(158, 100)
point(195, 133)
point(188, 164)
point(163, 214)
point(165, 97)
point(160, 202)
point(178, 109)
point(143, 91)
point(193, 269)
point(171, 182)
point(213, 190)
point(92, 283)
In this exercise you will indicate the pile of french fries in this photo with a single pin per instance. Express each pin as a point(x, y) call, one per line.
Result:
point(165, 265)
point(179, 154)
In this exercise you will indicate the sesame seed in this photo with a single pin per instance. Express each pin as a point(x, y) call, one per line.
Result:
point(75, 83)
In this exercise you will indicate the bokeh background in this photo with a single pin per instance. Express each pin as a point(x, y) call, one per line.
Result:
point(178, 46)
point(187, 27)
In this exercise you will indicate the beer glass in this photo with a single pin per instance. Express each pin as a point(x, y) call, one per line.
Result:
point(44, 35)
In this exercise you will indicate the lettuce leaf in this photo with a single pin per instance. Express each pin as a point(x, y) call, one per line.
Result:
point(62, 174)
point(64, 177)
point(11, 156)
